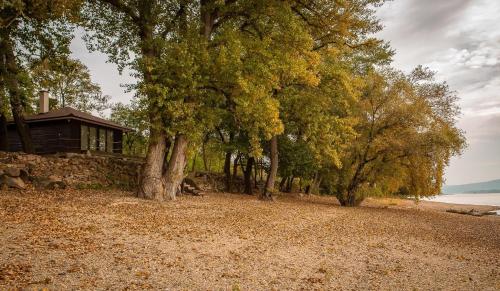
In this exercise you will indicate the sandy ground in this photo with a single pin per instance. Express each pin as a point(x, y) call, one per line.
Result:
point(110, 240)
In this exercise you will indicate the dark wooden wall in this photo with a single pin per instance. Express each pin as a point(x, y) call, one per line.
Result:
point(48, 137)
point(118, 141)
point(59, 136)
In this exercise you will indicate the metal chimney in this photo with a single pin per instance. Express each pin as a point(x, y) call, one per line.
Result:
point(44, 101)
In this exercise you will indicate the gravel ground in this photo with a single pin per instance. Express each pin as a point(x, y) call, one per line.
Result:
point(97, 240)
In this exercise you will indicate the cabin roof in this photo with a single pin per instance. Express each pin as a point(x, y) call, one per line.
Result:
point(70, 113)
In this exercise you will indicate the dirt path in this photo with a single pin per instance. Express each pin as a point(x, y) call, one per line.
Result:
point(111, 240)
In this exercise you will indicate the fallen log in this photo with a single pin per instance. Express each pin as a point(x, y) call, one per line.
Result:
point(472, 212)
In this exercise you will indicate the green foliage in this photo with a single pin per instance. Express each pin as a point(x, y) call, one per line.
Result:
point(135, 118)
point(406, 136)
point(69, 81)
point(4, 107)
point(34, 30)
point(296, 158)
point(90, 186)
point(230, 75)
point(40, 28)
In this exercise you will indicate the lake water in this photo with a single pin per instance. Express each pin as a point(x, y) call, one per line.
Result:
point(472, 199)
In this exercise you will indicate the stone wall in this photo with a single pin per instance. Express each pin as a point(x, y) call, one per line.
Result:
point(68, 170)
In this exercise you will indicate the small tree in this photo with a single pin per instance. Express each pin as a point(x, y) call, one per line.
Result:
point(132, 116)
point(406, 134)
point(70, 83)
point(4, 109)
point(30, 30)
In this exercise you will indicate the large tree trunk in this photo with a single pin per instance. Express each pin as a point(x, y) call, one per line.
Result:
point(227, 170)
point(311, 188)
point(248, 176)
point(271, 177)
point(235, 166)
point(204, 142)
point(255, 173)
point(4, 139)
point(289, 186)
point(283, 183)
point(227, 160)
point(175, 172)
point(348, 197)
point(207, 18)
point(261, 170)
point(342, 198)
point(168, 144)
point(204, 156)
point(151, 185)
point(353, 199)
point(193, 166)
point(235, 186)
point(10, 72)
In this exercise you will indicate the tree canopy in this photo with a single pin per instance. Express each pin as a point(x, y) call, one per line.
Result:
point(303, 89)
point(30, 30)
point(70, 83)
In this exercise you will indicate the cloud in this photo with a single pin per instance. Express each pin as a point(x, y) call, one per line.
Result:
point(419, 27)
point(482, 128)
point(459, 39)
point(482, 55)
point(102, 72)
point(424, 15)
point(480, 161)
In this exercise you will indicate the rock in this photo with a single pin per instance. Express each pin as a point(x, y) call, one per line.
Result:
point(72, 155)
point(12, 172)
point(31, 158)
point(51, 182)
point(69, 169)
point(55, 178)
point(24, 175)
point(191, 183)
point(14, 182)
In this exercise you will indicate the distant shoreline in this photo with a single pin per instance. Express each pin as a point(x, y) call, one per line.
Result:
point(429, 205)
point(495, 191)
point(472, 199)
point(492, 186)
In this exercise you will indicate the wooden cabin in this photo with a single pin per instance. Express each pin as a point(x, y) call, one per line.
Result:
point(68, 130)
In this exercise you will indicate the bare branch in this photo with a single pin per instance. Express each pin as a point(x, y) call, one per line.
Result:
point(121, 6)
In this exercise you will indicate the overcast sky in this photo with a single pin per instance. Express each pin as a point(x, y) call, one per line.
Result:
point(460, 39)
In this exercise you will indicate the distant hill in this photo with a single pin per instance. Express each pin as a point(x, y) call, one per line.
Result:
point(482, 187)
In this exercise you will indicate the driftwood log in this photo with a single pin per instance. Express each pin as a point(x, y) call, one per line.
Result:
point(472, 212)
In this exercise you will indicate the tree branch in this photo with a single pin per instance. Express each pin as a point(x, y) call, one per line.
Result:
point(121, 6)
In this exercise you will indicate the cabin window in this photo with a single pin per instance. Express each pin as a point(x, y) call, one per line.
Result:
point(102, 139)
point(84, 138)
point(92, 138)
point(109, 141)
